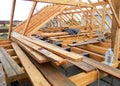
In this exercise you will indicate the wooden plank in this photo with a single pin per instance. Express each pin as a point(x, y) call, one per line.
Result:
point(84, 79)
point(39, 58)
point(83, 65)
point(54, 76)
point(2, 76)
point(35, 76)
point(12, 16)
point(103, 67)
point(51, 56)
point(13, 64)
point(11, 52)
point(55, 49)
point(29, 18)
point(114, 10)
point(6, 46)
point(83, 43)
point(96, 49)
point(92, 55)
point(45, 35)
point(65, 2)
point(5, 41)
point(7, 67)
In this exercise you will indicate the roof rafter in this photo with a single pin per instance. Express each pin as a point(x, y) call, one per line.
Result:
point(65, 2)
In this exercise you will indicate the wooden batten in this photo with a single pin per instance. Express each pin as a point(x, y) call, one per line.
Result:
point(35, 76)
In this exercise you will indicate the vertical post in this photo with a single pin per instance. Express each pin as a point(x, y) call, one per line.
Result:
point(92, 22)
point(29, 18)
point(61, 21)
point(11, 19)
point(103, 18)
point(115, 31)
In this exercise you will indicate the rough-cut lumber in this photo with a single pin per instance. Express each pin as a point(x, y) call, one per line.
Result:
point(93, 48)
point(35, 76)
point(6, 41)
point(10, 66)
point(103, 67)
point(39, 58)
point(116, 6)
point(45, 35)
point(83, 43)
point(55, 49)
point(51, 56)
point(11, 19)
point(2, 76)
point(83, 79)
point(83, 65)
point(29, 18)
point(92, 55)
point(40, 18)
point(54, 76)
point(65, 2)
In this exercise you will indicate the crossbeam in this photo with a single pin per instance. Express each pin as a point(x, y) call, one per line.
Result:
point(64, 2)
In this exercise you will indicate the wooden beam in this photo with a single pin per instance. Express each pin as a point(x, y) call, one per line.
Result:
point(65, 2)
point(92, 55)
point(55, 49)
point(29, 18)
point(2, 76)
point(103, 67)
point(53, 75)
point(115, 32)
point(51, 56)
point(84, 79)
point(83, 65)
point(11, 19)
point(35, 76)
point(114, 11)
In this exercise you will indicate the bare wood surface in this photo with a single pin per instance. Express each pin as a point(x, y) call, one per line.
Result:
point(55, 49)
point(6, 65)
point(84, 79)
point(103, 67)
point(39, 58)
point(2, 76)
point(58, 79)
point(35, 76)
point(51, 56)
point(83, 65)
point(11, 19)
point(83, 43)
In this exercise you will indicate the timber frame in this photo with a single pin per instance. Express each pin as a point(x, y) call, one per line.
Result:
point(89, 17)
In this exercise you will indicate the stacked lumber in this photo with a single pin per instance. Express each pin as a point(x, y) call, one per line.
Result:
point(45, 75)
point(10, 66)
point(39, 19)
point(2, 76)
point(68, 55)
point(52, 34)
point(47, 49)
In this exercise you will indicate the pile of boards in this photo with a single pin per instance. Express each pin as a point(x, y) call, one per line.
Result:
point(43, 52)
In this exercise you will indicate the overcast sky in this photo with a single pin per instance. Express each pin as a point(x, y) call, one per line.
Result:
point(21, 11)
